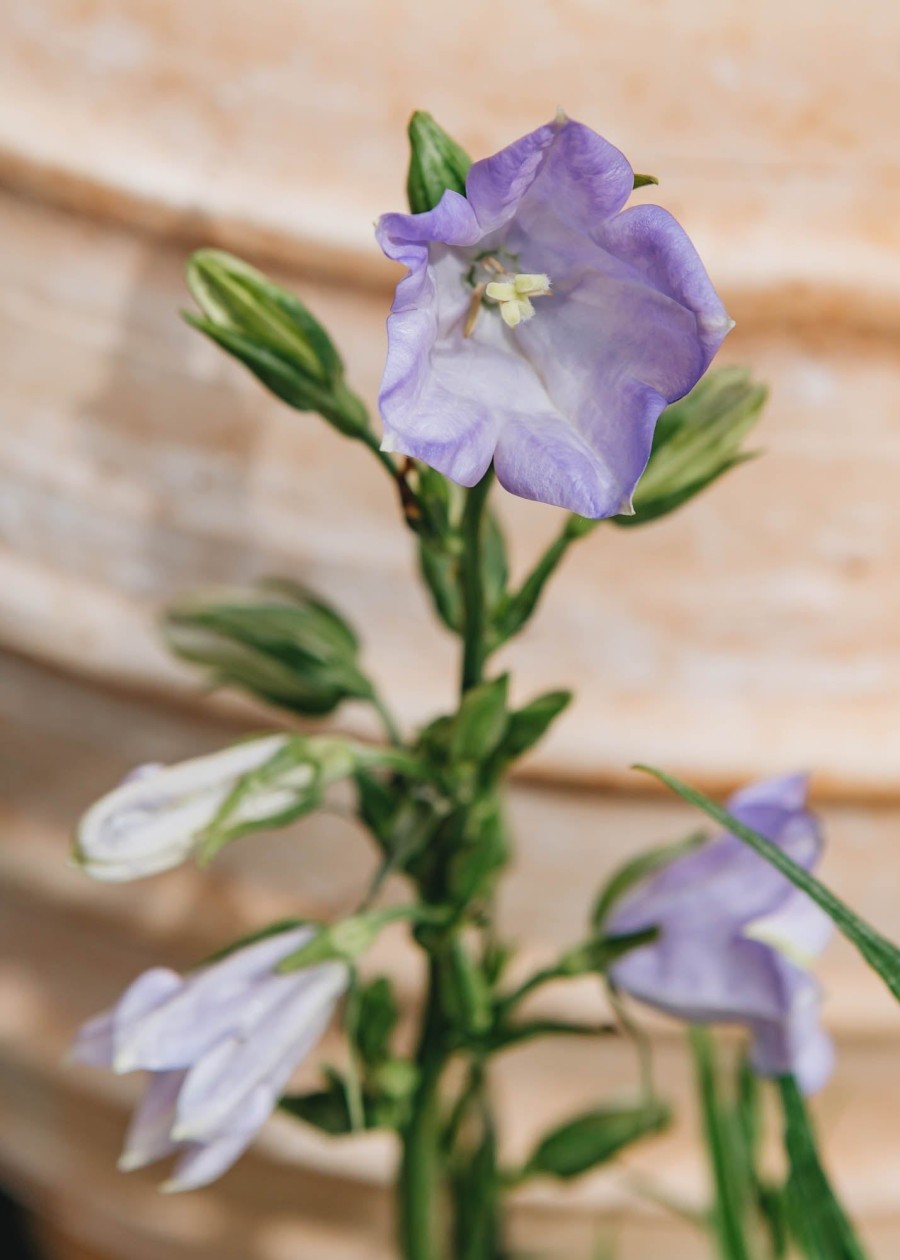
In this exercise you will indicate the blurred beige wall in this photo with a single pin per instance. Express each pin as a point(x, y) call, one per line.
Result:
point(757, 632)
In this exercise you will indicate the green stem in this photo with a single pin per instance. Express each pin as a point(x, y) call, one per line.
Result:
point(370, 439)
point(472, 583)
point(728, 1214)
point(421, 1234)
point(516, 609)
point(392, 730)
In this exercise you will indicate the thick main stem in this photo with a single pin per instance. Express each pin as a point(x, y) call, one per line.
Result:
point(473, 583)
point(421, 1171)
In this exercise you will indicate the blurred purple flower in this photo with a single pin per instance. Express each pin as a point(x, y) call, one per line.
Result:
point(154, 819)
point(542, 329)
point(221, 1046)
point(736, 938)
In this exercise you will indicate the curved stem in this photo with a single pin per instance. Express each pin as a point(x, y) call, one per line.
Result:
point(472, 583)
point(389, 722)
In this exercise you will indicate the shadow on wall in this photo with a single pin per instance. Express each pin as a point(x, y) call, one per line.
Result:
point(172, 432)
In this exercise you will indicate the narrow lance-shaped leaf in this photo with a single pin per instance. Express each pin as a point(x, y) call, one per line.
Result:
point(732, 1190)
point(880, 953)
point(814, 1211)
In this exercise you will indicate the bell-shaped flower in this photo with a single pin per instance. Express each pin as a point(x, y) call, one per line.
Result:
point(542, 327)
point(736, 939)
point(221, 1045)
point(157, 816)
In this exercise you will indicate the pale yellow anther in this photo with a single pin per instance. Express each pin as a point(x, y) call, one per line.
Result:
point(501, 291)
point(532, 286)
point(513, 296)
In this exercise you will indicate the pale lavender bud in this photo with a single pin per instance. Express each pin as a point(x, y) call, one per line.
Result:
point(221, 1044)
point(153, 820)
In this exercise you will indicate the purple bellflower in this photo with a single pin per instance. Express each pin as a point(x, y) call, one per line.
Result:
point(736, 938)
point(542, 327)
point(220, 1044)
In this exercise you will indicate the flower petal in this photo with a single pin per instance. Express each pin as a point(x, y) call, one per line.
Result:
point(795, 1044)
point(149, 823)
point(217, 1086)
point(704, 978)
point(562, 173)
point(203, 1162)
point(149, 1136)
point(651, 242)
point(219, 1001)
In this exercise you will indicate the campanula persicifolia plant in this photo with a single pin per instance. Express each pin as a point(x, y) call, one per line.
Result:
point(547, 337)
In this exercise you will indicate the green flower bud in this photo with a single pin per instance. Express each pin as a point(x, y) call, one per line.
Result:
point(436, 163)
point(275, 640)
point(273, 334)
point(696, 441)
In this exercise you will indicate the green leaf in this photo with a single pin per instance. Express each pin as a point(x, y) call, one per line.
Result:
point(516, 608)
point(495, 570)
point(274, 640)
point(696, 441)
point(326, 1110)
point(529, 724)
point(376, 1021)
point(641, 181)
point(823, 1228)
point(440, 571)
point(436, 163)
point(480, 853)
point(593, 1138)
point(880, 953)
point(732, 1190)
point(637, 870)
point(481, 722)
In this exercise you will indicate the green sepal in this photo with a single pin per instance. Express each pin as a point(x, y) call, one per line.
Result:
point(815, 1215)
point(594, 1138)
point(697, 440)
point(641, 181)
point(275, 640)
point(273, 334)
point(285, 788)
point(638, 869)
point(436, 163)
point(882, 955)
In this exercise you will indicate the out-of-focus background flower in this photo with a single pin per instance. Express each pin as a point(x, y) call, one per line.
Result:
point(754, 633)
